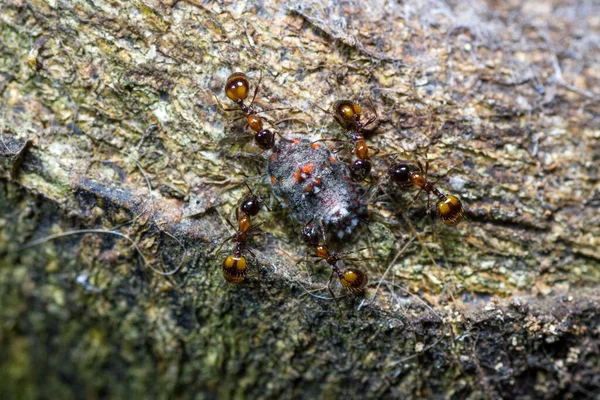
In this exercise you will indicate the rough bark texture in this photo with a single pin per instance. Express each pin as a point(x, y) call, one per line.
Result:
point(109, 126)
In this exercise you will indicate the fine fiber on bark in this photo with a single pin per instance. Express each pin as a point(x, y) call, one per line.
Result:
point(119, 171)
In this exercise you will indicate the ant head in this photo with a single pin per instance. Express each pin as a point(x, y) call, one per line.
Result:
point(265, 139)
point(237, 87)
point(250, 204)
point(311, 234)
point(360, 169)
point(400, 173)
point(354, 280)
point(346, 113)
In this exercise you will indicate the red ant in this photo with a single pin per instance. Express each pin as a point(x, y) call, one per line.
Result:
point(449, 207)
point(235, 265)
point(352, 279)
point(348, 114)
point(237, 89)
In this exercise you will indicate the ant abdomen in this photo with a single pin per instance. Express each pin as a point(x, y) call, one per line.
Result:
point(237, 87)
point(234, 268)
point(346, 113)
point(450, 210)
point(354, 280)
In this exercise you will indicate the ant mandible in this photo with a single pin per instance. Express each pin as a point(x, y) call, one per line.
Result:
point(352, 279)
point(237, 89)
point(449, 208)
point(235, 265)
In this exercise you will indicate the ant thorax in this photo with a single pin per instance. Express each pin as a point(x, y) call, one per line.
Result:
point(307, 178)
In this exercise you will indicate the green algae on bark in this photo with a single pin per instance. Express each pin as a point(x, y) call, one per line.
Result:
point(109, 122)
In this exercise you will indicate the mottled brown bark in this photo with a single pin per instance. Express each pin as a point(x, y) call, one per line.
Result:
point(118, 168)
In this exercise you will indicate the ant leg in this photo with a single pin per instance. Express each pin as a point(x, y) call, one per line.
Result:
point(265, 204)
point(274, 125)
point(331, 140)
point(255, 227)
point(431, 122)
point(419, 164)
point(221, 105)
point(309, 222)
point(370, 121)
point(371, 185)
point(320, 108)
point(430, 214)
point(443, 176)
point(280, 121)
point(416, 197)
point(374, 118)
point(413, 230)
point(223, 243)
point(261, 153)
point(271, 109)
point(229, 222)
point(329, 287)
point(305, 261)
point(258, 265)
point(252, 254)
point(237, 119)
point(375, 150)
point(323, 231)
point(282, 138)
point(372, 105)
point(428, 204)
point(353, 252)
point(233, 121)
point(248, 186)
point(256, 88)
point(433, 235)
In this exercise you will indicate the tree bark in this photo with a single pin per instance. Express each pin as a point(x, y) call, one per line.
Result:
point(119, 169)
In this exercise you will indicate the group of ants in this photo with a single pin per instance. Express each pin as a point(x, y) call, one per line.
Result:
point(348, 114)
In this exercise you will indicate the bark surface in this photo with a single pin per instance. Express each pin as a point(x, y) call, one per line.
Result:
point(118, 170)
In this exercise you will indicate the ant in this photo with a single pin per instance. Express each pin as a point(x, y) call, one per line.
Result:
point(348, 114)
point(352, 279)
point(235, 265)
point(449, 208)
point(237, 89)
